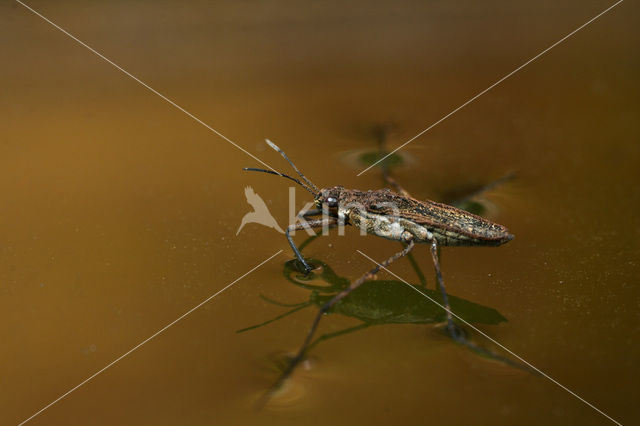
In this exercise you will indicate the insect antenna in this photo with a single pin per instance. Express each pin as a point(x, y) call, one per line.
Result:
point(277, 148)
point(251, 169)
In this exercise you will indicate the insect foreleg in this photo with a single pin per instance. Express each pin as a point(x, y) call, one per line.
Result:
point(325, 308)
point(318, 223)
point(308, 213)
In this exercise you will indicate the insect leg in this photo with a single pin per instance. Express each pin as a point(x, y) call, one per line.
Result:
point(325, 308)
point(309, 224)
point(331, 224)
point(456, 333)
point(453, 330)
point(416, 268)
point(381, 133)
point(394, 184)
point(310, 212)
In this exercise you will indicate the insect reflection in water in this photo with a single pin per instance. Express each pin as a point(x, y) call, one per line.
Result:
point(377, 302)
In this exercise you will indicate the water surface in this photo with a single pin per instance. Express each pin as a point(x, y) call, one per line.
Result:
point(119, 212)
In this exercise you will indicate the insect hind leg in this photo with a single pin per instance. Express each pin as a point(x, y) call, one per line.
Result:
point(458, 334)
point(453, 330)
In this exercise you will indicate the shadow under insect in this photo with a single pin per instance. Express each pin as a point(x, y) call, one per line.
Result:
point(376, 302)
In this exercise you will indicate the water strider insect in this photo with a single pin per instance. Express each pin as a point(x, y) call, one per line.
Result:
point(394, 216)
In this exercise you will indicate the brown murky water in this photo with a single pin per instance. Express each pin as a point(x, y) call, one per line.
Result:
point(119, 212)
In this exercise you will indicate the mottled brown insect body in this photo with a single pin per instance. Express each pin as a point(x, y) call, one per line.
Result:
point(390, 215)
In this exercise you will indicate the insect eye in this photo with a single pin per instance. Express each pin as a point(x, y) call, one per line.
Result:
point(332, 202)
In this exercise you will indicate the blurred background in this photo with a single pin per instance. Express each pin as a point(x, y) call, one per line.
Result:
point(118, 212)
